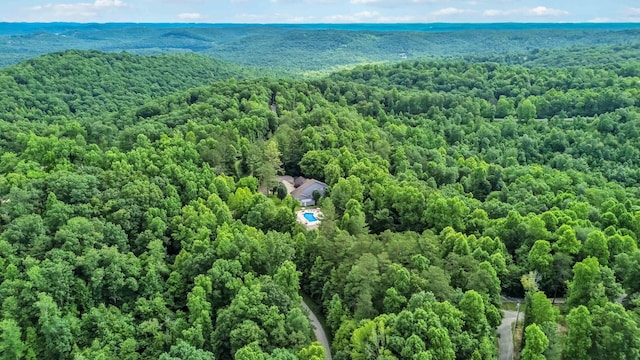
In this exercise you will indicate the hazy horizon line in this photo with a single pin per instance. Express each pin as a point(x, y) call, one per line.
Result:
point(330, 23)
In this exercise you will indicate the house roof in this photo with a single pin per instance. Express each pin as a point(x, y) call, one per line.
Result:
point(286, 178)
point(306, 189)
point(299, 181)
point(287, 181)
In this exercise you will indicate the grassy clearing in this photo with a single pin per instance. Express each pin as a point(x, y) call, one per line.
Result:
point(316, 74)
point(517, 329)
point(512, 306)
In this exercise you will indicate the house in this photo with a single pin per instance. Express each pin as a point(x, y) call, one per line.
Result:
point(304, 192)
point(302, 189)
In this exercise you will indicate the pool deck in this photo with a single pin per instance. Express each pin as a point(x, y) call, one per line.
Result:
point(308, 224)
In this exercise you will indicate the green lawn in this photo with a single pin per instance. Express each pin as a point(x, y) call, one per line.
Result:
point(510, 305)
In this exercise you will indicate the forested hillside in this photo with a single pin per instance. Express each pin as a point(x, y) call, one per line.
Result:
point(94, 83)
point(572, 56)
point(133, 228)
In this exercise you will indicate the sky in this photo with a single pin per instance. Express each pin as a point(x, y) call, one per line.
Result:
point(320, 11)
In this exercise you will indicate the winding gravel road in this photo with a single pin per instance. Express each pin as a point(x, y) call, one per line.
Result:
point(506, 336)
point(321, 336)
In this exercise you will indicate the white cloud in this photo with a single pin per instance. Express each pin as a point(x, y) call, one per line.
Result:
point(545, 11)
point(493, 12)
point(395, 3)
point(274, 18)
point(296, 1)
point(76, 11)
point(403, 19)
point(375, 17)
point(190, 16)
point(536, 11)
point(353, 18)
point(633, 11)
point(600, 20)
point(108, 3)
point(451, 11)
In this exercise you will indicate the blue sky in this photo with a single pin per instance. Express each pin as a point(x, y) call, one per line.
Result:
point(320, 11)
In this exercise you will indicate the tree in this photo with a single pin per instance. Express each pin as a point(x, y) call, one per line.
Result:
point(288, 278)
point(473, 309)
point(184, 351)
point(485, 281)
point(540, 258)
point(316, 196)
point(560, 274)
point(353, 219)
point(566, 240)
point(541, 310)
point(281, 191)
point(440, 344)
point(596, 246)
point(578, 341)
point(615, 333)
point(362, 285)
point(56, 213)
point(408, 202)
point(245, 333)
point(628, 269)
point(441, 212)
point(249, 182)
point(586, 288)
point(266, 163)
point(337, 314)
point(505, 107)
point(199, 315)
point(369, 340)
point(393, 301)
point(526, 110)
point(11, 345)
point(413, 346)
point(333, 173)
point(240, 202)
point(313, 164)
point(535, 344)
point(439, 282)
point(55, 330)
point(250, 352)
point(314, 351)
point(347, 189)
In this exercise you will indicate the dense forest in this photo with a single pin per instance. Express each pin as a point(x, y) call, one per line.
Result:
point(132, 225)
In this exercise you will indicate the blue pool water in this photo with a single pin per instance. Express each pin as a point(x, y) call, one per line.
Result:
point(310, 217)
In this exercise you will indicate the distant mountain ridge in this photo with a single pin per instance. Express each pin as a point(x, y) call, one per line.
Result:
point(13, 28)
point(287, 46)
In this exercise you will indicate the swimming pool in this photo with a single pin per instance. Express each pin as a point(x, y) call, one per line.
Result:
point(310, 217)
